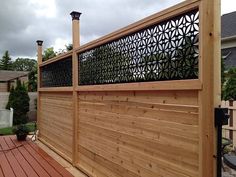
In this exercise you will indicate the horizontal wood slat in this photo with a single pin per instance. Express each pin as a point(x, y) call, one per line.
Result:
point(56, 118)
point(138, 133)
point(159, 85)
point(56, 89)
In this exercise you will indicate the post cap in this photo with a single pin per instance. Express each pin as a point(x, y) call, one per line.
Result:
point(75, 15)
point(39, 42)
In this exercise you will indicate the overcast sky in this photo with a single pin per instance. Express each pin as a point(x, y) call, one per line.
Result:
point(22, 22)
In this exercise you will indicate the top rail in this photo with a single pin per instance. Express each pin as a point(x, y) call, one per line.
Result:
point(57, 58)
point(178, 9)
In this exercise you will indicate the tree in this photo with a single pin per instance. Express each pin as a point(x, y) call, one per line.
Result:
point(32, 79)
point(19, 101)
point(223, 77)
point(230, 86)
point(10, 98)
point(24, 64)
point(48, 53)
point(5, 62)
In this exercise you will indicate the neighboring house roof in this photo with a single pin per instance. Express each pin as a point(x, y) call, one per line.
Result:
point(230, 57)
point(228, 25)
point(11, 75)
point(228, 39)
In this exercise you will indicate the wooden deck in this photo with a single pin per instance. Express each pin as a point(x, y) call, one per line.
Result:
point(26, 159)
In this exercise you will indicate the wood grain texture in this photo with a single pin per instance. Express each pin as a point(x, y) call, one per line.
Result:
point(138, 133)
point(56, 121)
point(193, 84)
point(161, 129)
point(209, 74)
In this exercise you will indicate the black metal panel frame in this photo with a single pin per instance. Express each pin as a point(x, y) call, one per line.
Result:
point(57, 74)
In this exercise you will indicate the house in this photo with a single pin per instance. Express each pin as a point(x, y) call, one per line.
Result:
point(228, 39)
point(9, 78)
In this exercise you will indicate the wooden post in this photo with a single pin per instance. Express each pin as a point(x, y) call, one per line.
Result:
point(40, 60)
point(209, 74)
point(40, 51)
point(76, 43)
point(75, 29)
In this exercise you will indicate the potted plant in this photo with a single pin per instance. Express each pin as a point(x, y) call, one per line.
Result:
point(21, 132)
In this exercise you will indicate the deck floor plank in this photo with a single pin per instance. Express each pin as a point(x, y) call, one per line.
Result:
point(50, 160)
point(1, 173)
point(37, 167)
point(26, 159)
point(23, 162)
point(18, 171)
point(51, 171)
point(5, 166)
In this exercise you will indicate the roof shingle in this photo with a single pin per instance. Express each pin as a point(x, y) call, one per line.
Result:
point(228, 25)
point(9, 75)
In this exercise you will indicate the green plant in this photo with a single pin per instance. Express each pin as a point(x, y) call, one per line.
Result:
point(9, 130)
point(6, 62)
point(48, 53)
point(21, 129)
point(21, 132)
point(32, 77)
point(230, 86)
point(11, 98)
point(19, 101)
point(24, 64)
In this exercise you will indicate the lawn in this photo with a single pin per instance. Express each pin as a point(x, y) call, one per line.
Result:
point(8, 130)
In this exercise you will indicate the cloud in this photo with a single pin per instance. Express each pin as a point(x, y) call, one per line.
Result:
point(23, 22)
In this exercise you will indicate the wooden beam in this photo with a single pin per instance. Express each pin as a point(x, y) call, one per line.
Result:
point(40, 59)
point(57, 58)
point(55, 89)
point(76, 43)
point(209, 74)
point(194, 84)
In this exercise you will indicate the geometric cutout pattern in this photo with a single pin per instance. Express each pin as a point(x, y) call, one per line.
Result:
point(167, 50)
point(57, 74)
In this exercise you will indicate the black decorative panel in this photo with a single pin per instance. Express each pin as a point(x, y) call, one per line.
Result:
point(165, 51)
point(57, 74)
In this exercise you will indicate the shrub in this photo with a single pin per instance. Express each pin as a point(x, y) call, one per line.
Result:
point(230, 86)
point(19, 101)
point(21, 129)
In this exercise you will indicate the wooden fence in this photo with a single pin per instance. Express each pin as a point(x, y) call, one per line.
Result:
point(229, 131)
point(139, 101)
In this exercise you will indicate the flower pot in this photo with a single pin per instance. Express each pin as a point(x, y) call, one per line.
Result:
point(21, 137)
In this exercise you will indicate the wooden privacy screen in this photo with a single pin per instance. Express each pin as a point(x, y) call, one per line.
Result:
point(139, 101)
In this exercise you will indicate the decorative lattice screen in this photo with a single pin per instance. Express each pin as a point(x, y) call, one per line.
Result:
point(57, 74)
point(167, 50)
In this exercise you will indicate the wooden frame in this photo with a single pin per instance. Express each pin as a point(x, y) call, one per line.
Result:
point(207, 86)
point(161, 85)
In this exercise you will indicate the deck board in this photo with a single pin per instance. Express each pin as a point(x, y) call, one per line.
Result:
point(22, 159)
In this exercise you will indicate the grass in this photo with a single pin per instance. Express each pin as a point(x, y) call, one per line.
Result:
point(9, 130)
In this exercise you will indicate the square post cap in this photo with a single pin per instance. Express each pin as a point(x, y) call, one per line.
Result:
point(39, 42)
point(75, 15)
